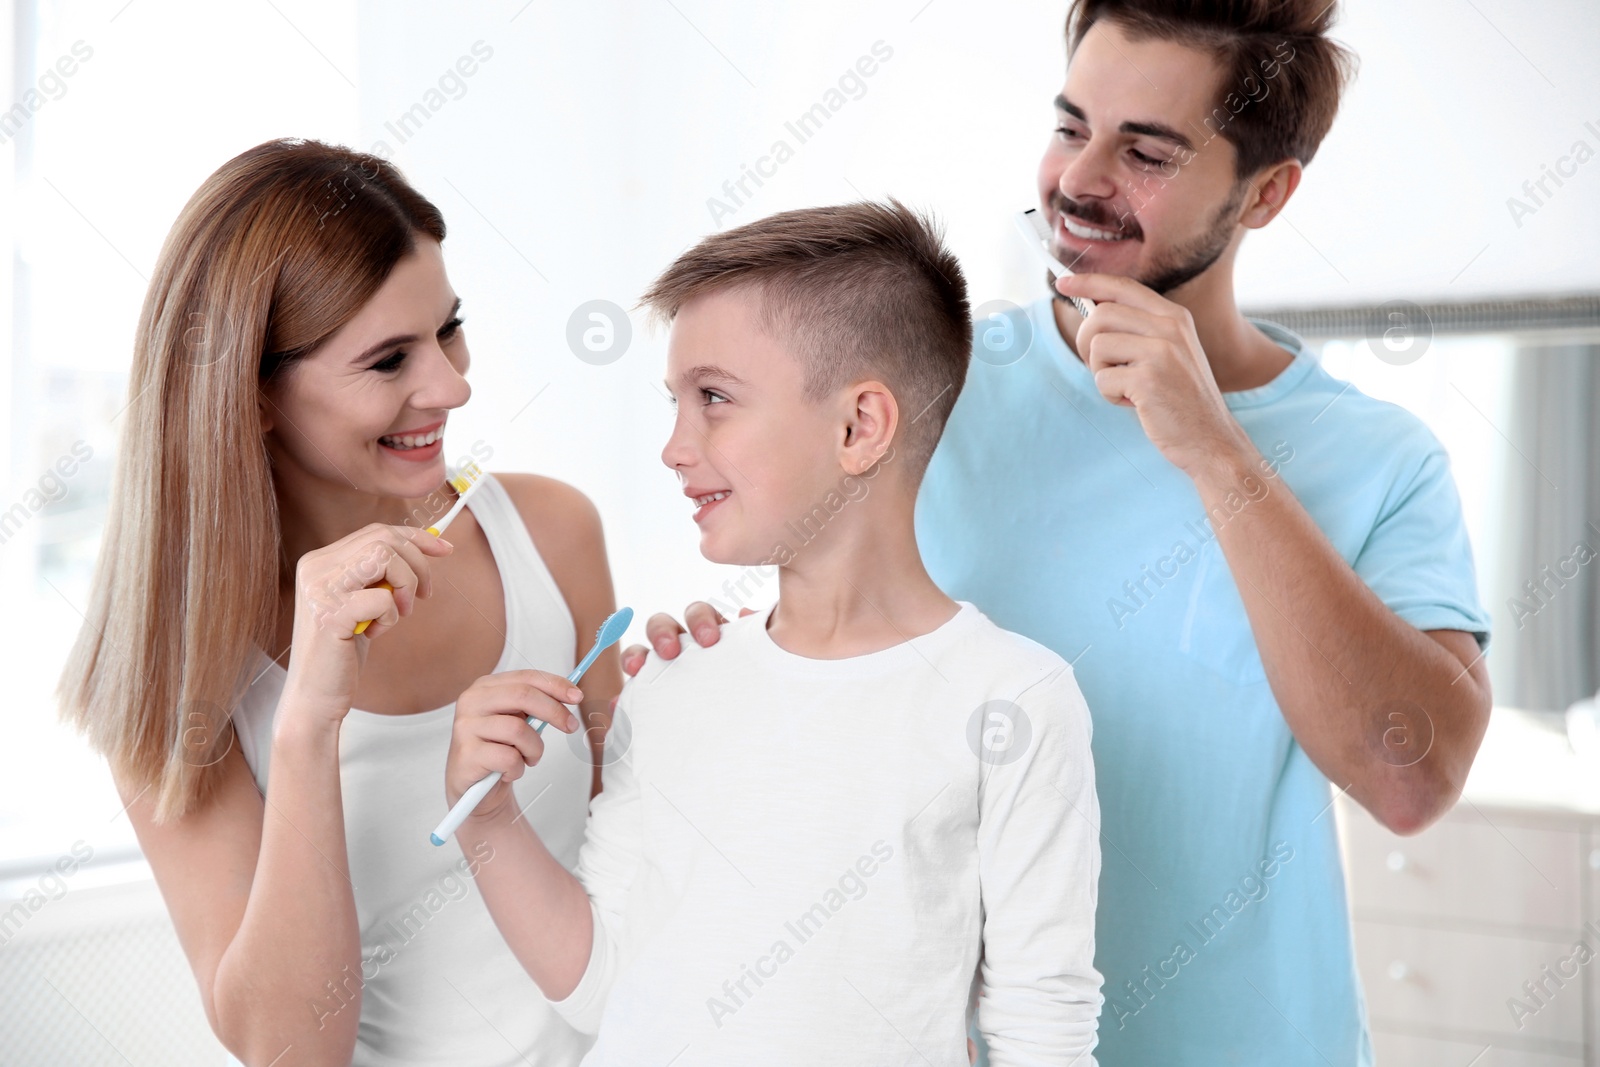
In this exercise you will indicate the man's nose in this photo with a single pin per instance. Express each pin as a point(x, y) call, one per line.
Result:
point(1089, 173)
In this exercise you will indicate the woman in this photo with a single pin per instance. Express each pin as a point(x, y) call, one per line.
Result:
point(298, 350)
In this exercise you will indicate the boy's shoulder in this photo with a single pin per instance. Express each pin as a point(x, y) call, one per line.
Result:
point(1010, 642)
point(972, 647)
point(1025, 685)
point(986, 637)
point(1009, 657)
point(691, 655)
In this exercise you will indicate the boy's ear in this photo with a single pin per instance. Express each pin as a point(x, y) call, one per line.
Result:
point(870, 427)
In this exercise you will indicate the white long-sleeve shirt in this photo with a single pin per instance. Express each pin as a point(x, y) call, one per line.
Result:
point(804, 861)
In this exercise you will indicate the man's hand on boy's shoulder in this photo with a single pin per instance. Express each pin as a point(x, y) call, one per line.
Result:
point(705, 626)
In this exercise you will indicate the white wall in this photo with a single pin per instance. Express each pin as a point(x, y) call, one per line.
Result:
point(591, 142)
point(579, 160)
point(168, 93)
point(1457, 104)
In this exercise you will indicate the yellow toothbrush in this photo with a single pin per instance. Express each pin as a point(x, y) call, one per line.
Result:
point(465, 481)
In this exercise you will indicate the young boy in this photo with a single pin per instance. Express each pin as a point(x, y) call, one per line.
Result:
point(816, 835)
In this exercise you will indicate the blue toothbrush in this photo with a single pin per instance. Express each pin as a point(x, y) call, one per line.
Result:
point(610, 633)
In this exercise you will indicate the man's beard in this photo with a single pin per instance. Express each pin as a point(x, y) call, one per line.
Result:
point(1189, 261)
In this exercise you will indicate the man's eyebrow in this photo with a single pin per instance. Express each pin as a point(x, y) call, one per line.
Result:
point(1147, 129)
point(1158, 130)
point(402, 339)
point(1063, 104)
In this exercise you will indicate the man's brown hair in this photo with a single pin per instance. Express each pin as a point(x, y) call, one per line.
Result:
point(854, 291)
point(1275, 57)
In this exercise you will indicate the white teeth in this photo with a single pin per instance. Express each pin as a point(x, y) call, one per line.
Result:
point(1077, 229)
point(701, 501)
point(405, 441)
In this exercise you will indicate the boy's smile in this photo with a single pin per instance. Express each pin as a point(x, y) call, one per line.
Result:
point(705, 499)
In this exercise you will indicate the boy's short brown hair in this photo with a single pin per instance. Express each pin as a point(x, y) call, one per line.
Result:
point(1282, 75)
point(855, 291)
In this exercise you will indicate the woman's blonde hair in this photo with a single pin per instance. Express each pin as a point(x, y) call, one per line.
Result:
point(273, 254)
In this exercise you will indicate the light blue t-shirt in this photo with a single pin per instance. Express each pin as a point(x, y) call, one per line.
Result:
point(1223, 931)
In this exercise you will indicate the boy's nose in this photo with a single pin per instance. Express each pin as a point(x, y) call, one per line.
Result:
point(679, 451)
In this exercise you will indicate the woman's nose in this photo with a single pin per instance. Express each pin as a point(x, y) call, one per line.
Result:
point(445, 385)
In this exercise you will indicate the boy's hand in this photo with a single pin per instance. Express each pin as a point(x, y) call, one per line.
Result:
point(705, 624)
point(491, 731)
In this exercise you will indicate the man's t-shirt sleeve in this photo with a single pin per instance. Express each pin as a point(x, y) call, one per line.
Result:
point(1418, 559)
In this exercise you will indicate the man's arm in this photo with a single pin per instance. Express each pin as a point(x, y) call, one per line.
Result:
point(1392, 714)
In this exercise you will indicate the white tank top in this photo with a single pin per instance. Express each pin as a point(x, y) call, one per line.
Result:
point(438, 984)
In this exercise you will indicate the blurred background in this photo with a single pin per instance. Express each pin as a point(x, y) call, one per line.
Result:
point(1440, 254)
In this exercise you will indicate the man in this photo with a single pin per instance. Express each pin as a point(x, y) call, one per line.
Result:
point(1261, 575)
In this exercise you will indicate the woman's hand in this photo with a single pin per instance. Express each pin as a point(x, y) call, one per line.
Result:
point(334, 589)
point(492, 733)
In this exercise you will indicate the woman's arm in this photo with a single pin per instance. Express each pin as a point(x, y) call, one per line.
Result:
point(259, 892)
point(259, 887)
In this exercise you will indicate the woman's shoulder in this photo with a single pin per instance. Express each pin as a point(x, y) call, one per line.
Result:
point(551, 509)
point(565, 527)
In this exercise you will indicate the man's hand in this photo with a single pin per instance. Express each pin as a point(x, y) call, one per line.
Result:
point(1144, 353)
point(705, 624)
point(1306, 605)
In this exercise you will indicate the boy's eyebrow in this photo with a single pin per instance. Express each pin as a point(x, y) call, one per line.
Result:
point(708, 372)
point(404, 338)
point(1148, 129)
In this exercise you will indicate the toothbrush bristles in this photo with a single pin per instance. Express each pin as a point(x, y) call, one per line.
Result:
point(462, 480)
point(1041, 230)
point(1040, 226)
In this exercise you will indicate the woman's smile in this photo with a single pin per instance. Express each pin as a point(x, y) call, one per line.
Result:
point(418, 445)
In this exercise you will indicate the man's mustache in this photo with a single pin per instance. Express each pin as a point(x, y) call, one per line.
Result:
point(1090, 213)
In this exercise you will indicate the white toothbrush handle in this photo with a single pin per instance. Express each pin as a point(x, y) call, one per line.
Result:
point(458, 814)
point(1040, 245)
point(470, 799)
